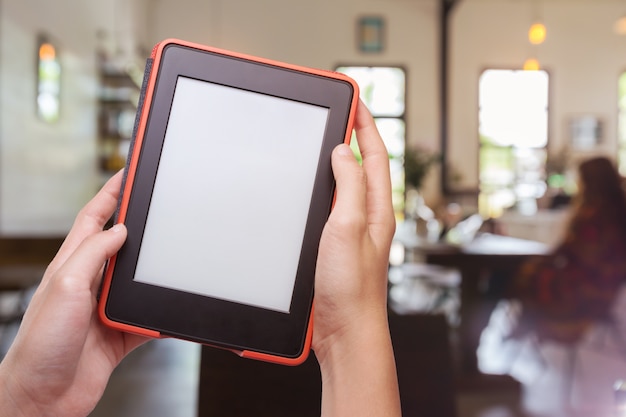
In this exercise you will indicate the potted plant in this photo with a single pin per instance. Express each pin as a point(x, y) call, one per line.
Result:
point(417, 163)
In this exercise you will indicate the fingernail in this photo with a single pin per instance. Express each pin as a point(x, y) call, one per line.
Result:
point(344, 150)
point(117, 228)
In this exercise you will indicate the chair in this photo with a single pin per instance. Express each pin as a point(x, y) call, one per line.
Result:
point(577, 380)
point(569, 380)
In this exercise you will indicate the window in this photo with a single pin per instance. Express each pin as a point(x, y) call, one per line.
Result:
point(513, 131)
point(48, 81)
point(621, 125)
point(383, 91)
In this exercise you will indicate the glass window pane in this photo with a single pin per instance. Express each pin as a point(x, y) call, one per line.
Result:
point(513, 107)
point(513, 131)
point(382, 88)
point(622, 91)
point(496, 167)
point(392, 132)
point(48, 82)
point(383, 91)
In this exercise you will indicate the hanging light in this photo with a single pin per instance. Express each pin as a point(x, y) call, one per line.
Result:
point(619, 27)
point(531, 64)
point(537, 33)
point(536, 36)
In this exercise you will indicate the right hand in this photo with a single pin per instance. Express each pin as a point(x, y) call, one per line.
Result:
point(351, 333)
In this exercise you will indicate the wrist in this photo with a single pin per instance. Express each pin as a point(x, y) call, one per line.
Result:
point(370, 330)
point(358, 371)
point(13, 400)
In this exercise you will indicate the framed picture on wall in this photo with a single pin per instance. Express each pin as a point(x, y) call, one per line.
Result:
point(370, 34)
point(585, 132)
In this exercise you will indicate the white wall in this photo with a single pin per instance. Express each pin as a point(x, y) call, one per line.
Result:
point(582, 55)
point(320, 34)
point(48, 171)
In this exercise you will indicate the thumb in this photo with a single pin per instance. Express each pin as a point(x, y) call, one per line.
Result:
point(350, 181)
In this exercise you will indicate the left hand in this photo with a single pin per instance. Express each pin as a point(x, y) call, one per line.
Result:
point(62, 357)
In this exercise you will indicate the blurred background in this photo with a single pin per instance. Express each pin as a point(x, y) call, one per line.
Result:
point(442, 77)
point(486, 106)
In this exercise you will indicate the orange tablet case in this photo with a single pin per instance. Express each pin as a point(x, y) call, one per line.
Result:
point(150, 76)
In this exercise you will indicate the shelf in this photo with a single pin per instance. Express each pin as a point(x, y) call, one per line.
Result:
point(119, 95)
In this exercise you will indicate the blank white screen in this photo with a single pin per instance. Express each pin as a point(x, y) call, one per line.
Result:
point(232, 195)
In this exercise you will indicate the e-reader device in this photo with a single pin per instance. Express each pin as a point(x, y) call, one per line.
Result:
point(227, 189)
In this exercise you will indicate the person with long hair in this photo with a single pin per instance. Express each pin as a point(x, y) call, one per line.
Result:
point(564, 293)
point(557, 304)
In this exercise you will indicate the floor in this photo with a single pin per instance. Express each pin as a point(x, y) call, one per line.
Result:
point(159, 380)
point(489, 402)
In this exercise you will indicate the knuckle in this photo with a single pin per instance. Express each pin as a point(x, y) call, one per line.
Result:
point(349, 222)
point(66, 283)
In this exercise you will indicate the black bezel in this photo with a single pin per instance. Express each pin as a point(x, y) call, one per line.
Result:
point(204, 319)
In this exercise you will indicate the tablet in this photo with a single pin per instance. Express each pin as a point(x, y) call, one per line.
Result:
point(227, 188)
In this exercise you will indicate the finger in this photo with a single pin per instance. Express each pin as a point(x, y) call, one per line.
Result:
point(350, 184)
point(376, 165)
point(74, 284)
point(90, 219)
point(82, 268)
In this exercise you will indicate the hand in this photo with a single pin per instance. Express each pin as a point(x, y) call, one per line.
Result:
point(351, 334)
point(62, 357)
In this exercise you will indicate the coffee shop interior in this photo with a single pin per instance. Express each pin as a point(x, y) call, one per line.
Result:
point(488, 108)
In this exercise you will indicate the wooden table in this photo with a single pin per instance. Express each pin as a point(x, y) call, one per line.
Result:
point(476, 261)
